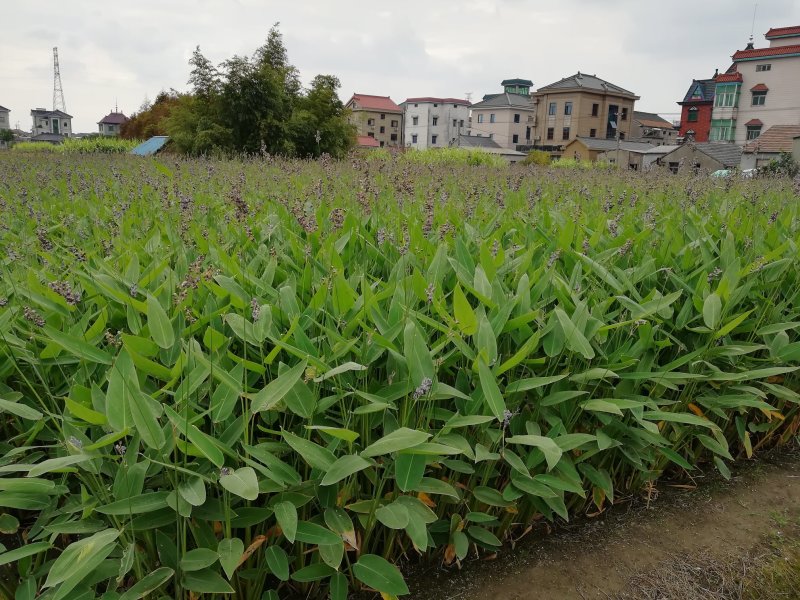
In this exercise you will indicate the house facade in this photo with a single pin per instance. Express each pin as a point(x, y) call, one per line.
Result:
point(622, 152)
point(434, 122)
point(760, 90)
point(508, 118)
point(111, 123)
point(704, 156)
point(581, 105)
point(650, 128)
point(50, 123)
point(5, 118)
point(377, 117)
point(696, 108)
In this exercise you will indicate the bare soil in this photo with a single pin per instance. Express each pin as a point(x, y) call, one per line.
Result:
point(714, 541)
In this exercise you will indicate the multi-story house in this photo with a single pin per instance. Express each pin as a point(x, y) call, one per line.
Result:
point(111, 123)
point(5, 120)
point(653, 129)
point(50, 123)
point(696, 109)
point(760, 90)
point(434, 122)
point(581, 105)
point(507, 118)
point(377, 117)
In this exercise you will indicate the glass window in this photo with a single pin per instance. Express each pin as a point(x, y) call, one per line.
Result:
point(593, 133)
point(727, 95)
point(491, 118)
point(550, 133)
point(394, 123)
point(692, 118)
point(415, 120)
point(551, 110)
point(515, 139)
point(753, 131)
point(767, 67)
point(383, 129)
point(516, 118)
point(433, 139)
point(383, 116)
point(565, 133)
point(461, 123)
point(455, 122)
point(413, 138)
point(435, 121)
point(624, 113)
point(759, 98)
point(567, 108)
point(480, 118)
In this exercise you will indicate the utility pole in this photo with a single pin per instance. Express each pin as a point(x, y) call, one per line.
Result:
point(58, 91)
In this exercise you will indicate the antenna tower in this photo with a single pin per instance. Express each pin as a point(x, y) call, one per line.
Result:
point(58, 91)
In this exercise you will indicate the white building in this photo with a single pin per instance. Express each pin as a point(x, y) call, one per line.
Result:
point(434, 122)
point(5, 120)
point(50, 123)
point(760, 90)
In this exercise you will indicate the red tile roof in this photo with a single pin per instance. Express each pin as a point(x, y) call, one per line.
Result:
point(783, 32)
point(766, 52)
point(753, 122)
point(380, 103)
point(729, 77)
point(778, 138)
point(439, 100)
point(365, 141)
point(759, 87)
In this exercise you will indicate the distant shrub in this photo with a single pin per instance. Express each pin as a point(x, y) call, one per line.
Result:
point(91, 145)
point(454, 156)
point(537, 157)
point(571, 163)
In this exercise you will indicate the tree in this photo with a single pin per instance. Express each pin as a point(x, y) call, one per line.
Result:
point(204, 76)
point(319, 124)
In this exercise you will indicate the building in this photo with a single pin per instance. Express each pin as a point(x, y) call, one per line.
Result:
point(5, 119)
point(581, 106)
point(111, 123)
point(486, 144)
point(796, 150)
point(364, 141)
point(654, 155)
point(650, 128)
point(50, 123)
point(769, 146)
point(377, 117)
point(508, 118)
point(760, 90)
point(704, 156)
point(696, 108)
point(623, 152)
point(434, 122)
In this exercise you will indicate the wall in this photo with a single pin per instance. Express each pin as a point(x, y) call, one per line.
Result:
point(796, 150)
point(106, 129)
point(626, 158)
point(5, 120)
point(360, 119)
point(702, 127)
point(504, 128)
point(686, 156)
point(45, 125)
point(444, 130)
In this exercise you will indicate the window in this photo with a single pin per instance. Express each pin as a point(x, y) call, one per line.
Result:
point(673, 166)
point(722, 130)
point(480, 118)
point(624, 113)
point(567, 108)
point(766, 67)
point(753, 131)
point(415, 120)
point(383, 116)
point(383, 129)
point(455, 122)
point(433, 139)
point(727, 95)
point(491, 118)
point(692, 117)
point(611, 123)
point(382, 143)
point(370, 121)
point(393, 137)
point(435, 105)
point(551, 110)
point(516, 118)
point(371, 134)
point(550, 133)
point(565, 133)
point(413, 138)
point(622, 135)
point(515, 139)
point(593, 133)
point(759, 98)
point(455, 105)
point(416, 106)
point(394, 123)
point(595, 109)
point(435, 121)
point(528, 133)
point(461, 123)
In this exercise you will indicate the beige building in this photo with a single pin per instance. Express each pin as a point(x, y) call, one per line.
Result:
point(581, 106)
point(111, 123)
point(649, 127)
point(50, 125)
point(507, 118)
point(708, 157)
point(624, 152)
point(5, 119)
point(377, 117)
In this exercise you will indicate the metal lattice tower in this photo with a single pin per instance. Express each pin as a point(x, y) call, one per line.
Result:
point(58, 91)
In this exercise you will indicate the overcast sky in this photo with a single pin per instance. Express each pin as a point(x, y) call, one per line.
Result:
point(126, 51)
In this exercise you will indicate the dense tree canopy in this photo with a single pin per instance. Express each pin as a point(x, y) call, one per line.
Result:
point(251, 104)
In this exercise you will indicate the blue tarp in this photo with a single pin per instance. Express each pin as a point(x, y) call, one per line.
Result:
point(151, 146)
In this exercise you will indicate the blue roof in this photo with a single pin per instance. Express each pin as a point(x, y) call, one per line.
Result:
point(151, 146)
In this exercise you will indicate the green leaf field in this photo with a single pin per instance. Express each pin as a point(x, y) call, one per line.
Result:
point(266, 379)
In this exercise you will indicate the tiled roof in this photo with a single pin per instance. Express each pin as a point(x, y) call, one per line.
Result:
point(651, 120)
point(759, 87)
point(4, 109)
point(757, 53)
point(113, 118)
point(605, 144)
point(505, 100)
point(706, 90)
point(477, 141)
point(368, 102)
point(728, 154)
point(776, 32)
point(586, 82)
point(436, 100)
point(39, 112)
point(778, 138)
point(753, 123)
point(367, 142)
point(729, 78)
point(516, 81)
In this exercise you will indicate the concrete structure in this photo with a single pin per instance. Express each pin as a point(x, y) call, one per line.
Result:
point(706, 156)
point(593, 149)
point(761, 89)
point(650, 128)
point(508, 118)
point(654, 155)
point(434, 122)
point(54, 122)
point(111, 123)
point(485, 144)
point(5, 119)
point(377, 117)
point(696, 108)
point(581, 105)
point(769, 146)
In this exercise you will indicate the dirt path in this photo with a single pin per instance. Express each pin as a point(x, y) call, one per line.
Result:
point(605, 557)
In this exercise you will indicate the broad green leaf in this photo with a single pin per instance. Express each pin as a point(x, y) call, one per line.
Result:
point(242, 482)
point(712, 311)
point(314, 454)
point(491, 391)
point(573, 337)
point(148, 584)
point(206, 582)
point(278, 562)
point(551, 451)
point(276, 389)
point(379, 574)
point(344, 467)
point(465, 316)
point(160, 326)
point(418, 357)
point(230, 551)
point(286, 515)
point(77, 346)
point(400, 439)
point(198, 559)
